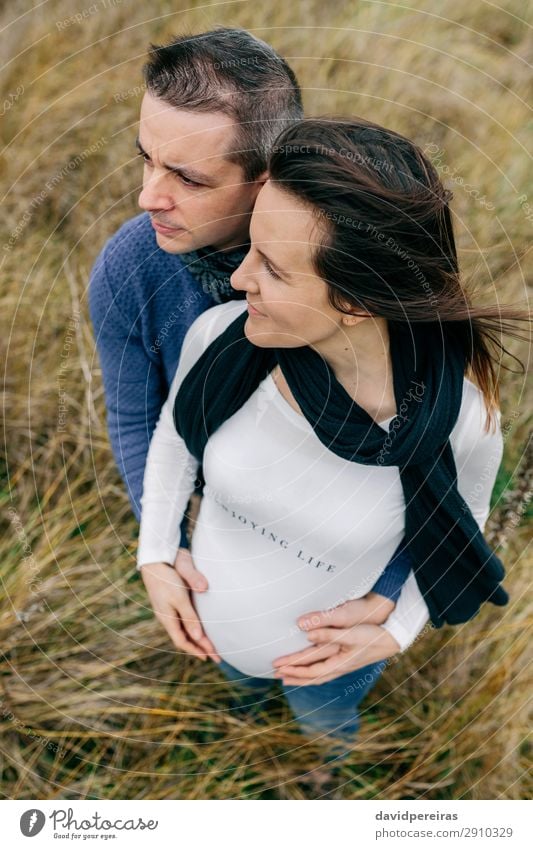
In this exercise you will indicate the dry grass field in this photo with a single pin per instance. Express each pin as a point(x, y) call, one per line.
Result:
point(94, 701)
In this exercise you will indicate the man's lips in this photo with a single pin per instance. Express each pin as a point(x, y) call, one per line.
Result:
point(253, 311)
point(165, 228)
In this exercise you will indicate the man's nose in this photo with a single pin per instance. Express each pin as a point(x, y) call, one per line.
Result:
point(153, 196)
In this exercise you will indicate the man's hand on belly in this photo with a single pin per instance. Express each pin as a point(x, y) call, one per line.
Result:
point(173, 607)
point(358, 646)
point(330, 626)
point(371, 609)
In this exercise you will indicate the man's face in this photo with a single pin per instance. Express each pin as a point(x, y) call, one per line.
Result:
point(194, 195)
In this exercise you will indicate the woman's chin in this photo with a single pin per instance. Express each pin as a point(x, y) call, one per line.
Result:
point(261, 339)
point(268, 339)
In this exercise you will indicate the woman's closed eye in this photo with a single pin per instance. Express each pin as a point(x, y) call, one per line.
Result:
point(270, 270)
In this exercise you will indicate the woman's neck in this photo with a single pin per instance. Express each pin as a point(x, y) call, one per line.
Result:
point(362, 348)
point(359, 356)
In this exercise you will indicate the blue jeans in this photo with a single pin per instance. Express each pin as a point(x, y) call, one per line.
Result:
point(327, 709)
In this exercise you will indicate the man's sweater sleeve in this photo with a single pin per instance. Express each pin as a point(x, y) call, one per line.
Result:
point(395, 574)
point(133, 384)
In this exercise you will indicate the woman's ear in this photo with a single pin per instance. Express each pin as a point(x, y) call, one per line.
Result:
point(352, 318)
point(259, 182)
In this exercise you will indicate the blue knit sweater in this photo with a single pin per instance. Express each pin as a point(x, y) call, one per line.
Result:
point(142, 300)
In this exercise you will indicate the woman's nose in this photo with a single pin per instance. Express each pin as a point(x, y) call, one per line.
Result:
point(241, 279)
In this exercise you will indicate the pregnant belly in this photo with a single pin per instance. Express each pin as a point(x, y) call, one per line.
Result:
point(253, 603)
point(246, 628)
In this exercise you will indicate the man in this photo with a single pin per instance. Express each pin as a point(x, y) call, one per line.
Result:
point(214, 105)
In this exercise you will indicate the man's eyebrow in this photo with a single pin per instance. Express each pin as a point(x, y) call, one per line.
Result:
point(185, 170)
point(273, 264)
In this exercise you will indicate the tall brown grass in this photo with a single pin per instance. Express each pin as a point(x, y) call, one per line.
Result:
point(95, 703)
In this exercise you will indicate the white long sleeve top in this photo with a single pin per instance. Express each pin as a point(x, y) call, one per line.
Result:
point(286, 526)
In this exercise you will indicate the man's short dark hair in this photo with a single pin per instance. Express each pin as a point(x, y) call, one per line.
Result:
point(230, 71)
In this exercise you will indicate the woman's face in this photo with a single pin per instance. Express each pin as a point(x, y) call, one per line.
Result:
point(288, 303)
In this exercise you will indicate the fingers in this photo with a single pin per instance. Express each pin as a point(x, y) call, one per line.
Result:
point(193, 628)
point(333, 666)
point(328, 635)
point(372, 608)
point(184, 566)
point(314, 619)
point(297, 682)
point(366, 639)
point(172, 604)
point(338, 617)
point(208, 646)
point(306, 656)
point(190, 620)
point(177, 634)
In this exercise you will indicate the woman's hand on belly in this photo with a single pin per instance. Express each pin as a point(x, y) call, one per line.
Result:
point(172, 605)
point(192, 577)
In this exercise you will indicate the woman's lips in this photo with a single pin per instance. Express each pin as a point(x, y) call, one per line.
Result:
point(253, 311)
point(165, 229)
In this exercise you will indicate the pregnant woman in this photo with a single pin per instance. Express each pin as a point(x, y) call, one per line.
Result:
point(348, 404)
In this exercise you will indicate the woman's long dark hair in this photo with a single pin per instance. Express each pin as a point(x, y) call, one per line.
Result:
point(386, 241)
